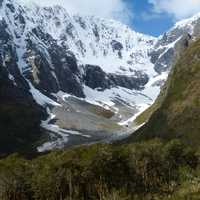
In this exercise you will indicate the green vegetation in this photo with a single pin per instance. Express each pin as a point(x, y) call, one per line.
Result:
point(176, 113)
point(148, 170)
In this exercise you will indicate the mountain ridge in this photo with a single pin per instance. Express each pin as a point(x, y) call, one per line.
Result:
point(93, 70)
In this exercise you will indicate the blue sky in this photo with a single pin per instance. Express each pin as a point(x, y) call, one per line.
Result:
point(154, 17)
point(146, 21)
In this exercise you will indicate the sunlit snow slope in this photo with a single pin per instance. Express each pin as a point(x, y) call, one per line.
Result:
point(92, 75)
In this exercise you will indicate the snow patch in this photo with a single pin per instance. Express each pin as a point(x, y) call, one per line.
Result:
point(188, 23)
point(40, 98)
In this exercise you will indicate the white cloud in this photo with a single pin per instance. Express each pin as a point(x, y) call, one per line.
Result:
point(148, 16)
point(177, 8)
point(116, 9)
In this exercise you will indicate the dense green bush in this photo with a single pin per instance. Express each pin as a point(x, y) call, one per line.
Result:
point(149, 170)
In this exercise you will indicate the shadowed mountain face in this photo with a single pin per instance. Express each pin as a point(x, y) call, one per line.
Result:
point(83, 79)
point(20, 117)
point(178, 112)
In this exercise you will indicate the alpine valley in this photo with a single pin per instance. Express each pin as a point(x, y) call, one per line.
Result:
point(69, 80)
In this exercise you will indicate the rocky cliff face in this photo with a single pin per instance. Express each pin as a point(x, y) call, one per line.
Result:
point(96, 78)
point(93, 70)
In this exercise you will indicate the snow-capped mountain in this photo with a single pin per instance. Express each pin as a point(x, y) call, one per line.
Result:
point(91, 75)
point(169, 46)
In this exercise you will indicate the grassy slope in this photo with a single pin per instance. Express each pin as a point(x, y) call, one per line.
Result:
point(150, 170)
point(177, 111)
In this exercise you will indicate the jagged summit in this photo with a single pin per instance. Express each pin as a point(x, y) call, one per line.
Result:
point(189, 22)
